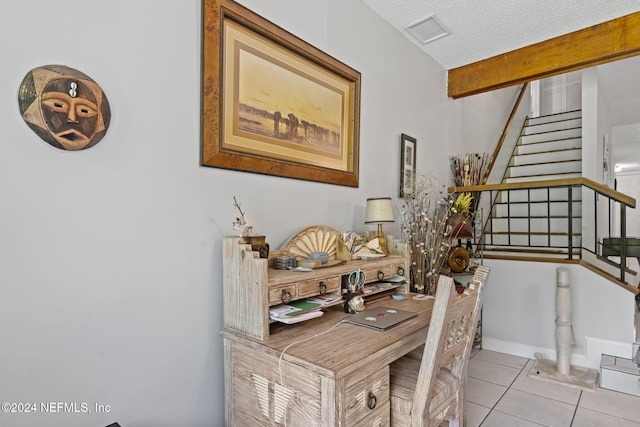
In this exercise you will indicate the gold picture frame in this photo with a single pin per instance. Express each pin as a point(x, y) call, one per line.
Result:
point(272, 103)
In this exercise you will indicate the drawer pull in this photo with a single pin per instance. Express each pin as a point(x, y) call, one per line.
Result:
point(372, 400)
point(285, 296)
point(322, 288)
point(400, 271)
point(380, 274)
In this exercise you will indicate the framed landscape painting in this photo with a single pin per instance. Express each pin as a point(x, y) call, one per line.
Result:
point(273, 104)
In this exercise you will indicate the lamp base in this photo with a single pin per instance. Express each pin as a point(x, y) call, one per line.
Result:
point(382, 240)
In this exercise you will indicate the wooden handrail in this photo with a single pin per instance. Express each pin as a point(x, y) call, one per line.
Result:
point(602, 189)
point(507, 126)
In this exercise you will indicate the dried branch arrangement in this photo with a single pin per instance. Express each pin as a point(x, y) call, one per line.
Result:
point(470, 169)
point(424, 226)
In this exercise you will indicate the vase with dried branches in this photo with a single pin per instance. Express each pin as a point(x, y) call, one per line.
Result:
point(425, 214)
point(470, 169)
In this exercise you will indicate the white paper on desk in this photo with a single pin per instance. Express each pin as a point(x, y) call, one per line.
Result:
point(299, 317)
point(378, 286)
point(394, 279)
point(325, 299)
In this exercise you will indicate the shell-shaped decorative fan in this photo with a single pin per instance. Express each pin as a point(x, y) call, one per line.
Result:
point(317, 238)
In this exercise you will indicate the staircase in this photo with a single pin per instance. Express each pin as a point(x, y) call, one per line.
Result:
point(535, 211)
point(545, 224)
point(540, 223)
point(549, 147)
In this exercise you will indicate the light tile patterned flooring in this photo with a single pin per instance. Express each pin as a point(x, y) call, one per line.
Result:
point(499, 394)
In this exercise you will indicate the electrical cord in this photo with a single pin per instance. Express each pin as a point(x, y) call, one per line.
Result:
point(299, 342)
point(292, 344)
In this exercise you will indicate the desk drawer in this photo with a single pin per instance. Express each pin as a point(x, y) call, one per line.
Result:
point(366, 393)
point(310, 288)
point(375, 274)
point(380, 417)
point(318, 287)
point(283, 294)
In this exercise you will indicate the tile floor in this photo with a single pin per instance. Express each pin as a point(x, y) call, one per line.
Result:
point(499, 394)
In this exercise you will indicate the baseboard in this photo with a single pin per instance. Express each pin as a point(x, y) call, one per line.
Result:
point(592, 359)
point(596, 347)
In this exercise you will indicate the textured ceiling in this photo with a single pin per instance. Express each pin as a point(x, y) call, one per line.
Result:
point(482, 29)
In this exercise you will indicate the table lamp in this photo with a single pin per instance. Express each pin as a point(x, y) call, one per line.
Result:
point(379, 210)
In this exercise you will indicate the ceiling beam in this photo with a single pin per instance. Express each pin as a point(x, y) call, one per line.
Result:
point(602, 43)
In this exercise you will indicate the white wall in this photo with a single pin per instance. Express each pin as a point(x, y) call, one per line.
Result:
point(590, 124)
point(625, 143)
point(110, 279)
point(519, 312)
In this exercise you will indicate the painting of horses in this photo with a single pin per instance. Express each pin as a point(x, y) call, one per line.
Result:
point(285, 108)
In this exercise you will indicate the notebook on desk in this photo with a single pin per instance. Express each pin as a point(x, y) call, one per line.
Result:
point(380, 318)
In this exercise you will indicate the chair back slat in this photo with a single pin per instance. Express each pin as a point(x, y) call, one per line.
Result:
point(449, 341)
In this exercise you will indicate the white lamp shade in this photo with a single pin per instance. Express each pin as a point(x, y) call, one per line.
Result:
point(379, 209)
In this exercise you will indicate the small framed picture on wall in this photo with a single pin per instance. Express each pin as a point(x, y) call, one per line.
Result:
point(407, 166)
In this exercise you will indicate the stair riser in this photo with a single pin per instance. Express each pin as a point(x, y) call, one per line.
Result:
point(532, 121)
point(540, 241)
point(563, 144)
point(551, 136)
point(545, 168)
point(548, 156)
point(526, 250)
point(553, 126)
point(555, 176)
point(497, 254)
point(534, 225)
point(537, 209)
point(560, 194)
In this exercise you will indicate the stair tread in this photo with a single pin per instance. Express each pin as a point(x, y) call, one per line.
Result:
point(556, 115)
point(552, 131)
point(536, 217)
point(545, 174)
point(545, 163)
point(554, 118)
point(537, 202)
point(533, 233)
point(558, 150)
point(531, 258)
point(527, 249)
point(544, 141)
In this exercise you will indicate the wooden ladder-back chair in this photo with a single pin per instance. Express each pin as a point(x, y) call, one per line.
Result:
point(430, 390)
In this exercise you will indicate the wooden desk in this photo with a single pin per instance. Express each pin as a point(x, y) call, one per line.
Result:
point(331, 373)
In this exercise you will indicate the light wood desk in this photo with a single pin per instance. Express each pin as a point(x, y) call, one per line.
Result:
point(334, 378)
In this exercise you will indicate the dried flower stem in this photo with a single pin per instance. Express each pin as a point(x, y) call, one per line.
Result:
point(241, 223)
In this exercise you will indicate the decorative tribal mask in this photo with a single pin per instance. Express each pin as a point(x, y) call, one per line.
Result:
point(64, 107)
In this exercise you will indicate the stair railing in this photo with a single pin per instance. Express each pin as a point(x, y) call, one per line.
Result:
point(590, 217)
point(511, 122)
